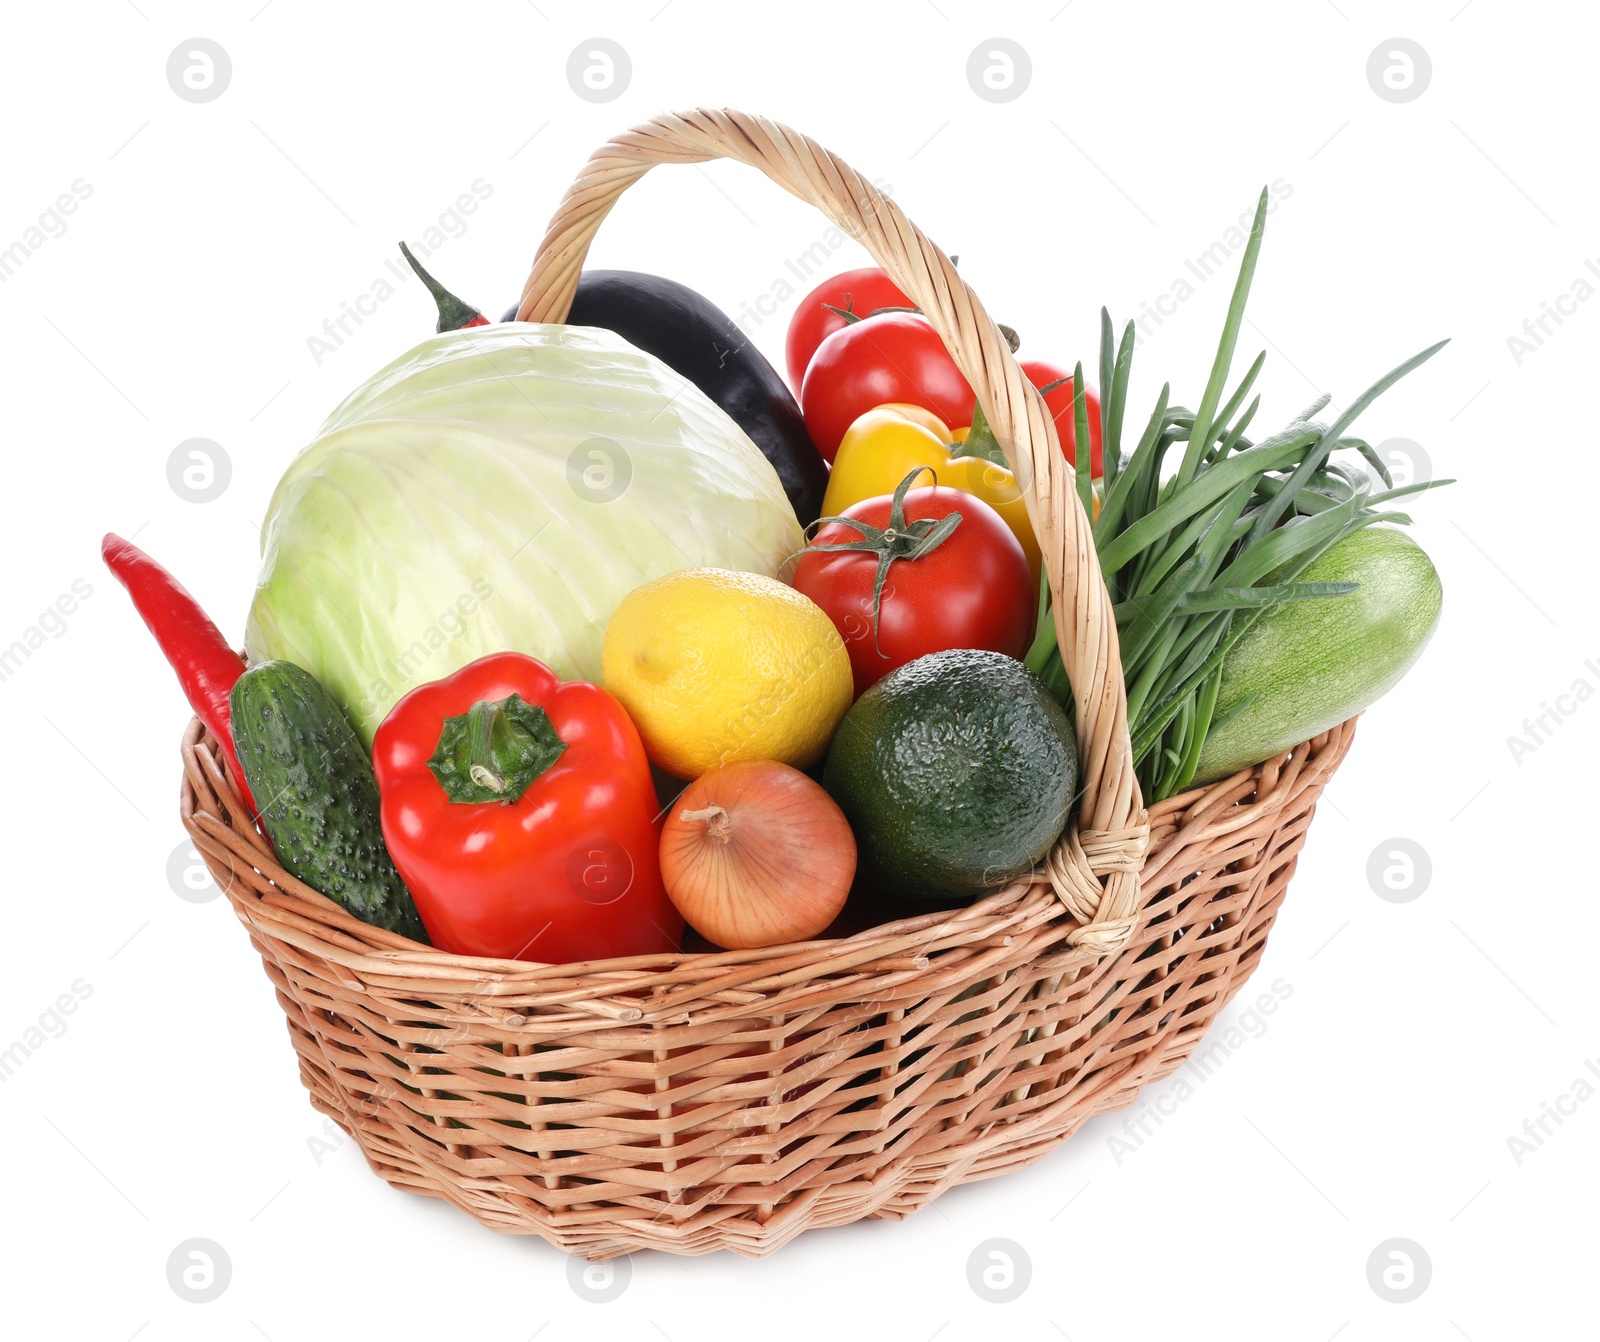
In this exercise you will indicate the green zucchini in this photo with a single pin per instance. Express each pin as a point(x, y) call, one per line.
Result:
point(318, 797)
point(1307, 666)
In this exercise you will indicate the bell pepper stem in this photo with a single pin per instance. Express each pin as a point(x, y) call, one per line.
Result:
point(980, 441)
point(495, 751)
point(482, 767)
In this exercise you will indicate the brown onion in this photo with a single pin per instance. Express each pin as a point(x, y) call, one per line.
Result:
point(754, 853)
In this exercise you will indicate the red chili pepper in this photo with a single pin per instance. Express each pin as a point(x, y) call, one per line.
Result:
point(207, 667)
point(454, 314)
point(520, 811)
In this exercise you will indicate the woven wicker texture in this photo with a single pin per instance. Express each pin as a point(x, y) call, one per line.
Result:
point(731, 1101)
point(692, 1102)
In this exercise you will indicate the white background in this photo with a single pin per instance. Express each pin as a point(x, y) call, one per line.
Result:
point(1417, 1037)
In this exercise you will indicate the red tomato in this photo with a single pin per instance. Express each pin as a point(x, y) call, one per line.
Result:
point(862, 292)
point(1059, 403)
point(974, 590)
point(895, 357)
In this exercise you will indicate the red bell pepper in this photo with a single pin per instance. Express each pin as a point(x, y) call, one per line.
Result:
point(520, 811)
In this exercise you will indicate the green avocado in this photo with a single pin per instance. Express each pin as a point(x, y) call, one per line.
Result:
point(957, 772)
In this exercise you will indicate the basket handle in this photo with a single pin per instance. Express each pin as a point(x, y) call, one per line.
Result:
point(1095, 868)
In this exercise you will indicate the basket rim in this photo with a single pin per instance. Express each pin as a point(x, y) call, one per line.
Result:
point(200, 745)
point(217, 820)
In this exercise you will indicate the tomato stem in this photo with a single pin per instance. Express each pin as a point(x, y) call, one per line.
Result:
point(851, 316)
point(899, 540)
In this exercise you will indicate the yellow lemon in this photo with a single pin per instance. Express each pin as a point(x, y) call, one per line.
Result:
point(715, 666)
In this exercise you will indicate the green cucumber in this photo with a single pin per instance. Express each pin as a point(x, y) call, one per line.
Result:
point(1307, 666)
point(318, 797)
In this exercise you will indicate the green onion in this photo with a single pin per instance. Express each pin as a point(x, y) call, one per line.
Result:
point(1194, 556)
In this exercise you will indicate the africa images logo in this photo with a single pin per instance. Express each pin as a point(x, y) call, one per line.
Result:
point(52, 1024)
point(51, 624)
point(52, 223)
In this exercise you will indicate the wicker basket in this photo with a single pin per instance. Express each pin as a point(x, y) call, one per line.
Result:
point(692, 1102)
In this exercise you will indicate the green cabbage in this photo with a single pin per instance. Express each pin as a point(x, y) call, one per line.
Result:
point(501, 487)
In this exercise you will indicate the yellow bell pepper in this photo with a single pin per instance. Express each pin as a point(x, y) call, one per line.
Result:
point(889, 441)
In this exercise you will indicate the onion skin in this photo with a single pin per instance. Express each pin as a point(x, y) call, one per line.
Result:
point(755, 853)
